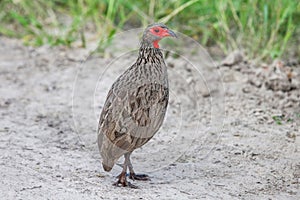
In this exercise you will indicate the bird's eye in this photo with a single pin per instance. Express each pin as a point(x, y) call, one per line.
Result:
point(156, 30)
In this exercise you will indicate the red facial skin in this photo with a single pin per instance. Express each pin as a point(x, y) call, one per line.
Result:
point(161, 32)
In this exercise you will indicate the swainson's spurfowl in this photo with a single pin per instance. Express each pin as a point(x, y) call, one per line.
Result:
point(135, 106)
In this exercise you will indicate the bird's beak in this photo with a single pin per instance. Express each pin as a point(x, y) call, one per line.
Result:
point(171, 33)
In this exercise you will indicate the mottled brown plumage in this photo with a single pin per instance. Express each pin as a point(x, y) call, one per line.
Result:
point(136, 105)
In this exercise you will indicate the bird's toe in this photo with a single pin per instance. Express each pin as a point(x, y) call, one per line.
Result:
point(125, 184)
point(139, 177)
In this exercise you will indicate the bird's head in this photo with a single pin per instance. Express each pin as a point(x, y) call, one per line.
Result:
point(155, 32)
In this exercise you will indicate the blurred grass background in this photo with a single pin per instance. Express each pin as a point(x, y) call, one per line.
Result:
point(264, 29)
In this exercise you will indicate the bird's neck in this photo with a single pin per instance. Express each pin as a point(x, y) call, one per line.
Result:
point(149, 54)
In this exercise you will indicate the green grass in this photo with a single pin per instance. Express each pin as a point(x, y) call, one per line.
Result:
point(263, 28)
point(283, 119)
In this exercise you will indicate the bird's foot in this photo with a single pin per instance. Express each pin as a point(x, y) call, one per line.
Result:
point(125, 184)
point(139, 177)
point(122, 182)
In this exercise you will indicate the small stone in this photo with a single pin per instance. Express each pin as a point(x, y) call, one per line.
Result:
point(246, 89)
point(205, 92)
point(100, 175)
point(190, 80)
point(255, 82)
point(291, 135)
point(233, 58)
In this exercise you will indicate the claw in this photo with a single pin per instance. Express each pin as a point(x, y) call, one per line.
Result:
point(139, 177)
point(125, 184)
point(122, 182)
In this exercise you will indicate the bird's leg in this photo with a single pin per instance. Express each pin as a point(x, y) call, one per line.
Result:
point(133, 175)
point(122, 181)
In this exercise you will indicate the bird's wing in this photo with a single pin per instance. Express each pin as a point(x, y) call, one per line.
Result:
point(146, 102)
point(130, 117)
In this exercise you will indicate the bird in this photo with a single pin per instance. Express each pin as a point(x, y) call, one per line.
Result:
point(135, 105)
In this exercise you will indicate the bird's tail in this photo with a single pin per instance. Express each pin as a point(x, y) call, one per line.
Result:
point(107, 167)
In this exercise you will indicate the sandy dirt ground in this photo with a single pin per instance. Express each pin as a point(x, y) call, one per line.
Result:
point(231, 132)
